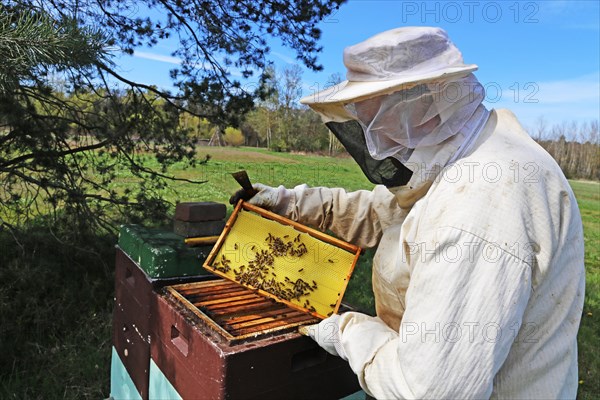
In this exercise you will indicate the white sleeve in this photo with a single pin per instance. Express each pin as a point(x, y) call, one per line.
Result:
point(357, 217)
point(464, 306)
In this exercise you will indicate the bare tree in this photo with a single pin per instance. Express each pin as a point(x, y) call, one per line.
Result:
point(290, 91)
point(334, 144)
point(574, 146)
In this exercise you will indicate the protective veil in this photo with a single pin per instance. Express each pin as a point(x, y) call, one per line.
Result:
point(407, 88)
point(424, 115)
point(440, 118)
point(388, 171)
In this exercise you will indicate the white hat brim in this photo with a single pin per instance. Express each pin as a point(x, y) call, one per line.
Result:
point(351, 91)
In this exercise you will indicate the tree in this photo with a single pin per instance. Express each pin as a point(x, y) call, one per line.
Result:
point(197, 127)
point(61, 145)
point(290, 91)
point(284, 124)
point(233, 136)
point(29, 41)
point(574, 146)
point(263, 118)
point(310, 132)
point(334, 144)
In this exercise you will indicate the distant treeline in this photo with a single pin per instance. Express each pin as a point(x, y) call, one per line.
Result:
point(579, 156)
point(279, 123)
point(577, 160)
point(575, 147)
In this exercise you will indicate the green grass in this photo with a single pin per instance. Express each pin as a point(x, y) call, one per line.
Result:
point(56, 297)
point(588, 198)
point(264, 167)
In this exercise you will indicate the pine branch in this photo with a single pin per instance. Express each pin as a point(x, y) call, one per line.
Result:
point(31, 41)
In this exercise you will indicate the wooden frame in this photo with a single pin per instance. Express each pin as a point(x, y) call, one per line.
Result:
point(173, 293)
point(241, 205)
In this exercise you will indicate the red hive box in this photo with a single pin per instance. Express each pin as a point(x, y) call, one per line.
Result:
point(132, 317)
point(273, 362)
point(131, 320)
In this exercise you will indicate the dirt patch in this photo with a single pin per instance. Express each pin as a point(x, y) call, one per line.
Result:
point(236, 155)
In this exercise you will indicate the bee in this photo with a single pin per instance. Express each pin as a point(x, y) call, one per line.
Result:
point(330, 260)
point(286, 236)
point(301, 269)
point(235, 246)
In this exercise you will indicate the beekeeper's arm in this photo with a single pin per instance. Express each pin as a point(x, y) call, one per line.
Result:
point(462, 315)
point(358, 217)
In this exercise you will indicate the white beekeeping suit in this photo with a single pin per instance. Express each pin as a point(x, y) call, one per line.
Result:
point(478, 275)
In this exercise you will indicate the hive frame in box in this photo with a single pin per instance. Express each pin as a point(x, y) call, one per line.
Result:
point(173, 292)
point(318, 235)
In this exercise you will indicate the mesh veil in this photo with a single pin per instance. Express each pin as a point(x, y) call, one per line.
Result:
point(388, 172)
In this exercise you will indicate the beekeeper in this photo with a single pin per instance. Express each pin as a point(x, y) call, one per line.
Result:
point(479, 274)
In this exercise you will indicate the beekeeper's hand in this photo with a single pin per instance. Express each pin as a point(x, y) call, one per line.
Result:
point(327, 335)
point(274, 199)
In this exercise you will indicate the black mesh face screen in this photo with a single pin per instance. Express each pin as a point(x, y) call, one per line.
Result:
point(389, 172)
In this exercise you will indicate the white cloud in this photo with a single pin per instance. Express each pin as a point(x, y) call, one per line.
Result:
point(284, 58)
point(582, 88)
point(592, 26)
point(574, 99)
point(555, 6)
point(565, 14)
point(176, 61)
point(157, 57)
point(558, 8)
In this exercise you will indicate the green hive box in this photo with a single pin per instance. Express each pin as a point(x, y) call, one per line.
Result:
point(162, 254)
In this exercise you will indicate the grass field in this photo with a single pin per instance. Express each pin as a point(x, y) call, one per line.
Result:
point(56, 297)
point(588, 198)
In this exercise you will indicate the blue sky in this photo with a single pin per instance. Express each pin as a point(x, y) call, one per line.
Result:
point(538, 58)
